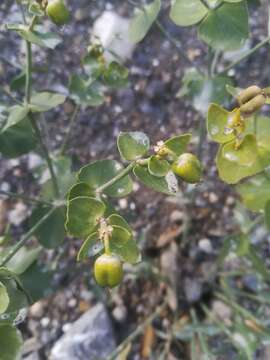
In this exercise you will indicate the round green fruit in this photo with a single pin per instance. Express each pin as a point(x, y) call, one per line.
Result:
point(188, 167)
point(58, 12)
point(108, 270)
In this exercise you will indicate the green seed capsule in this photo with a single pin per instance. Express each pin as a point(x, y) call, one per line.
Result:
point(248, 94)
point(108, 270)
point(58, 12)
point(188, 167)
point(253, 105)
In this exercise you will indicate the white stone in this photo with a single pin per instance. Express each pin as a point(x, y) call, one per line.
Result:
point(206, 246)
point(17, 215)
point(112, 30)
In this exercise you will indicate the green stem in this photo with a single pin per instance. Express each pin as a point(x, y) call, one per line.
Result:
point(214, 63)
point(7, 93)
point(70, 126)
point(135, 333)
point(28, 81)
point(205, 3)
point(28, 91)
point(246, 55)
point(177, 45)
point(26, 237)
point(24, 198)
point(107, 244)
point(45, 153)
point(118, 177)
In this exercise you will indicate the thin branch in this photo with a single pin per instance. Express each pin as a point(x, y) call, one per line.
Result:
point(20, 5)
point(70, 127)
point(28, 91)
point(25, 198)
point(28, 80)
point(8, 94)
point(177, 45)
point(26, 237)
point(246, 55)
point(118, 177)
point(136, 333)
point(205, 3)
point(45, 153)
point(214, 63)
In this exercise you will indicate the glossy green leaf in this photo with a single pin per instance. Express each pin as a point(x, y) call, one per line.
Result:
point(90, 247)
point(233, 91)
point(51, 233)
point(4, 298)
point(167, 185)
point(129, 252)
point(246, 154)
point(143, 20)
point(186, 13)
point(255, 192)
point(231, 172)
point(35, 9)
point(93, 66)
point(85, 92)
point(119, 237)
point(218, 119)
point(261, 128)
point(204, 90)
point(226, 27)
point(133, 145)
point(116, 75)
point(18, 82)
point(10, 343)
point(178, 144)
point(17, 297)
point(82, 215)
point(100, 172)
point(23, 258)
point(38, 280)
point(17, 113)
point(80, 189)
point(45, 101)
point(37, 36)
point(17, 140)
point(158, 167)
point(118, 220)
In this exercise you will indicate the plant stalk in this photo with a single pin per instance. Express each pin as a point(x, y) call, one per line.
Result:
point(28, 91)
point(46, 154)
point(246, 55)
point(23, 197)
point(70, 127)
point(177, 45)
point(25, 237)
point(118, 177)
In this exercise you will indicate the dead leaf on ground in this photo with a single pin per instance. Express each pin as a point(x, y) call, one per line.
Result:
point(168, 236)
point(148, 342)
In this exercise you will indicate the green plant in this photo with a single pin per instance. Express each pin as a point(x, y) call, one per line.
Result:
point(80, 203)
point(89, 215)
